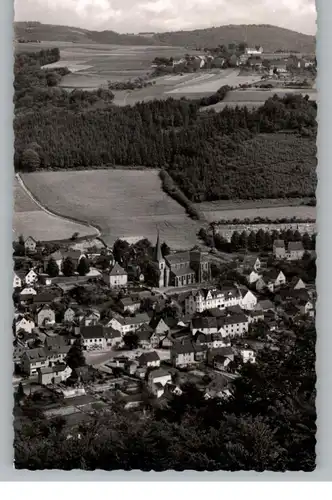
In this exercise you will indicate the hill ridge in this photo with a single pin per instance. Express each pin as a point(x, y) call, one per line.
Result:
point(271, 37)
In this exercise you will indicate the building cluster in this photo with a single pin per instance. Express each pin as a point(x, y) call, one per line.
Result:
point(145, 342)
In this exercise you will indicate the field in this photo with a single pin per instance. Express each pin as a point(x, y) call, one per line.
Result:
point(30, 219)
point(253, 98)
point(93, 65)
point(122, 203)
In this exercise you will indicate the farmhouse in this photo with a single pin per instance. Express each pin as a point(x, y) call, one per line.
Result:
point(116, 277)
point(53, 374)
point(181, 268)
point(93, 336)
point(30, 244)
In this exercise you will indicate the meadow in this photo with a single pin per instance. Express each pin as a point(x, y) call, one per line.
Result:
point(122, 203)
point(29, 219)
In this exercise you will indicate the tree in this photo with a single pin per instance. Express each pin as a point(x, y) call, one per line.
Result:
point(83, 266)
point(121, 250)
point(235, 241)
point(131, 340)
point(252, 245)
point(68, 267)
point(52, 268)
point(243, 240)
point(30, 160)
point(75, 357)
point(165, 249)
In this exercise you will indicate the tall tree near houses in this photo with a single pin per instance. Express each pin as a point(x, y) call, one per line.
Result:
point(52, 268)
point(75, 357)
point(68, 267)
point(83, 266)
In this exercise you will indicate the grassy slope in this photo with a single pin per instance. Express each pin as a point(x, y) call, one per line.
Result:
point(270, 37)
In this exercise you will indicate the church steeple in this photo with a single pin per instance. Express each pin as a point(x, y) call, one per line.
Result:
point(158, 256)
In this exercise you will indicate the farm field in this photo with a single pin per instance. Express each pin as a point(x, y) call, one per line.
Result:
point(93, 65)
point(272, 212)
point(255, 98)
point(122, 203)
point(29, 219)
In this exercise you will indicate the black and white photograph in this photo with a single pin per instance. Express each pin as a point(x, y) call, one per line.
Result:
point(164, 235)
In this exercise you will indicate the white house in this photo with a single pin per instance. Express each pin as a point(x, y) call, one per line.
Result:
point(130, 324)
point(149, 359)
point(116, 277)
point(271, 280)
point(30, 244)
point(25, 324)
point(53, 374)
point(234, 325)
point(159, 376)
point(17, 282)
point(249, 300)
point(93, 337)
point(31, 277)
point(32, 360)
point(248, 355)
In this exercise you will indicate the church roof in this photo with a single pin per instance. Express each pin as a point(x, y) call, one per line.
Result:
point(158, 256)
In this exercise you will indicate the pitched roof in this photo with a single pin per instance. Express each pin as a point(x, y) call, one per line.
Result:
point(264, 305)
point(184, 271)
point(117, 270)
point(295, 245)
point(37, 354)
point(279, 244)
point(92, 331)
point(204, 322)
point(178, 257)
point(233, 319)
point(158, 256)
point(53, 369)
point(111, 333)
point(44, 298)
point(148, 357)
point(129, 301)
point(160, 372)
point(139, 318)
point(144, 333)
point(183, 348)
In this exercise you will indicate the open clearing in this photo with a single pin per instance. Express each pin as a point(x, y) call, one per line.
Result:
point(122, 203)
point(29, 219)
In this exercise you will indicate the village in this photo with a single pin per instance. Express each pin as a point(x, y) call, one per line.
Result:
point(130, 325)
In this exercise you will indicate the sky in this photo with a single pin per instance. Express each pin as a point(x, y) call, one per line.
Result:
point(133, 16)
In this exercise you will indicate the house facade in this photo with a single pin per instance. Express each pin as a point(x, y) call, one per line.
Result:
point(30, 244)
point(248, 301)
point(182, 354)
point(93, 337)
point(17, 282)
point(53, 374)
point(117, 277)
point(234, 325)
point(130, 324)
point(45, 315)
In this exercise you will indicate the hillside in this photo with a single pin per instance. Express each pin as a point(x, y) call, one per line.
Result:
point(270, 37)
point(55, 33)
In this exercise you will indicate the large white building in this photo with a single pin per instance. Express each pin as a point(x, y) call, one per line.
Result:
point(201, 300)
point(254, 51)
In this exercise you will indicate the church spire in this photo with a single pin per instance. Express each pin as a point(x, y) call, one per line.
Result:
point(158, 256)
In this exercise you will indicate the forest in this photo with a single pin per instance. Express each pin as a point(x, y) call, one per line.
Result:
point(265, 153)
point(267, 424)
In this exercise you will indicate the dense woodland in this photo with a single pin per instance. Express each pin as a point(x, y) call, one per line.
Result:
point(268, 424)
point(236, 153)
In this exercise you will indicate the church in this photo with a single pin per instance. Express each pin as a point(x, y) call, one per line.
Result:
point(181, 268)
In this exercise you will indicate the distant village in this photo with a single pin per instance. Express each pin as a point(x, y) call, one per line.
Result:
point(238, 55)
point(133, 323)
